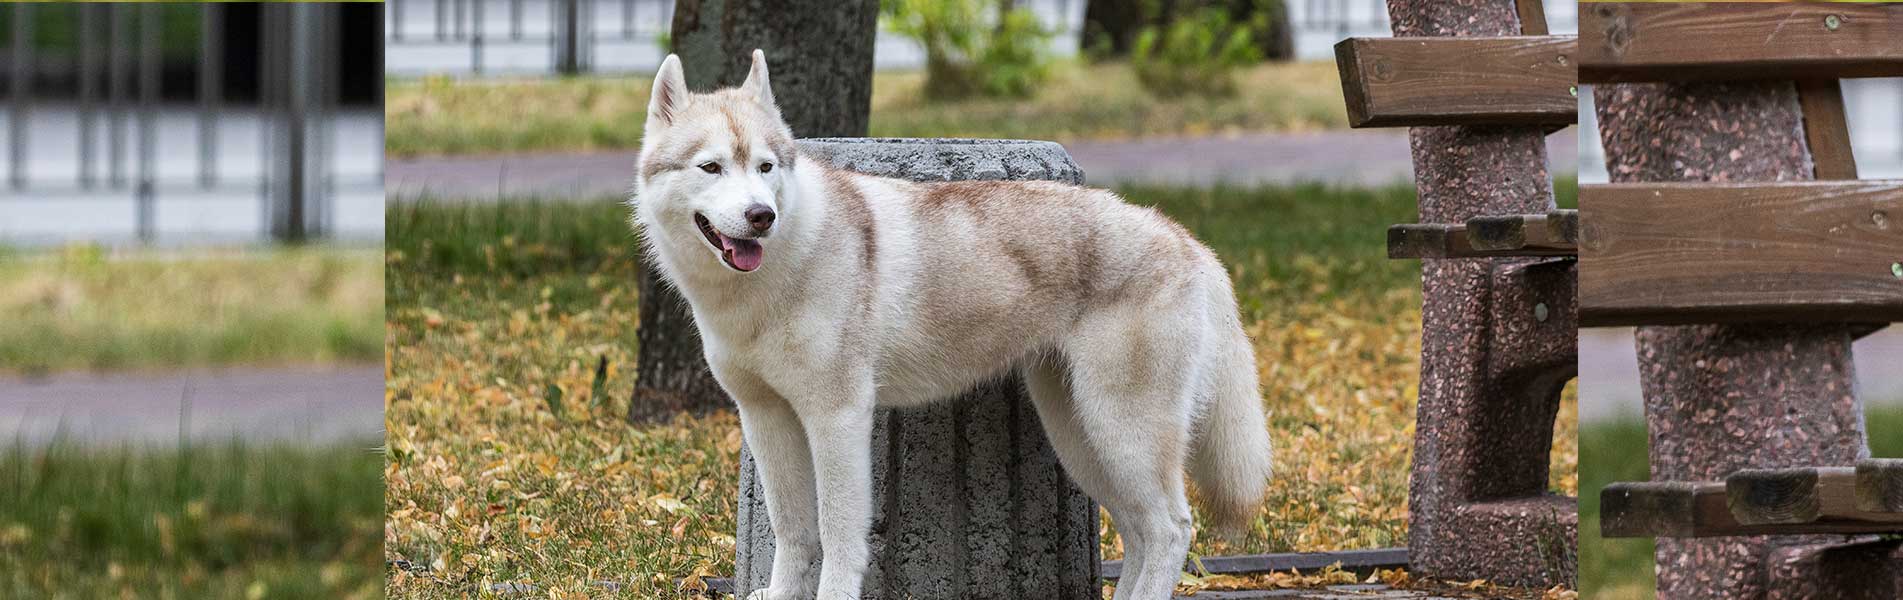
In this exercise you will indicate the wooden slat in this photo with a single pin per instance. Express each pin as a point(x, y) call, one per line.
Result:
point(1799, 495)
point(1880, 485)
point(1551, 234)
point(1859, 331)
point(1628, 42)
point(1677, 253)
point(1532, 16)
point(1825, 130)
point(1419, 81)
point(1688, 509)
point(1429, 240)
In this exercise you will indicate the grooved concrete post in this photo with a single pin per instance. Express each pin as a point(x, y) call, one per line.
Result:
point(970, 499)
point(1719, 398)
point(1492, 367)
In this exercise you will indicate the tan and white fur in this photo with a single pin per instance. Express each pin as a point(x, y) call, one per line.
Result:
point(868, 292)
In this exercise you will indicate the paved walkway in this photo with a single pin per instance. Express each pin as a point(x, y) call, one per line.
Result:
point(287, 404)
point(1343, 157)
point(1609, 372)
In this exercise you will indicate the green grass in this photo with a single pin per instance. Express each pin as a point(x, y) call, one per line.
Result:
point(495, 309)
point(215, 521)
point(1617, 451)
point(86, 308)
point(440, 116)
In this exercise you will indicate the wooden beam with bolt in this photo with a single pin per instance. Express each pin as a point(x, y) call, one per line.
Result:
point(1645, 42)
point(1419, 81)
point(1680, 253)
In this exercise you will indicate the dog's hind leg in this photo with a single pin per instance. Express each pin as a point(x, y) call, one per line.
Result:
point(1047, 378)
point(1133, 373)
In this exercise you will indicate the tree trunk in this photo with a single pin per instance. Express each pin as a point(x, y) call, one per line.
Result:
point(1278, 43)
point(1112, 27)
point(1719, 398)
point(820, 52)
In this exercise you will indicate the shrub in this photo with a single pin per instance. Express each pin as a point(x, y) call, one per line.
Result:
point(1195, 55)
point(973, 47)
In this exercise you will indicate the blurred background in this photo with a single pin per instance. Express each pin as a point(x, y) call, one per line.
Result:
point(191, 235)
point(1611, 408)
point(513, 130)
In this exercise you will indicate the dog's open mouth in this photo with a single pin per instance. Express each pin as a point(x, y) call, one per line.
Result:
point(742, 255)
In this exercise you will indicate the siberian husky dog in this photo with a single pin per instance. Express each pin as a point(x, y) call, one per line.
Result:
point(821, 295)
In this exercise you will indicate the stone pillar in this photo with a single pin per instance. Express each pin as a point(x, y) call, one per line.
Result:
point(1498, 344)
point(970, 501)
point(1719, 398)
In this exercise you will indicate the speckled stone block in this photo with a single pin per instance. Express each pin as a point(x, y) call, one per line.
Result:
point(970, 501)
point(1858, 570)
point(1491, 367)
point(1719, 398)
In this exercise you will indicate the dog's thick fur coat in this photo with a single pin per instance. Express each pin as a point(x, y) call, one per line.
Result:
point(862, 292)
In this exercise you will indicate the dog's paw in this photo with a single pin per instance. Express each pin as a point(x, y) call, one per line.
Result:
point(772, 594)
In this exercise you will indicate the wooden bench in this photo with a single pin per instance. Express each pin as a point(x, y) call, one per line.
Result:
point(1487, 84)
point(1804, 252)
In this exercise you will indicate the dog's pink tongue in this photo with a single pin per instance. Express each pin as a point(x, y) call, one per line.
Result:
point(745, 255)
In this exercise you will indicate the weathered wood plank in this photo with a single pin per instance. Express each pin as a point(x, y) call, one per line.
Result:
point(1859, 331)
point(1419, 81)
point(1631, 42)
point(1428, 240)
point(1532, 15)
point(1696, 509)
point(1552, 234)
point(1880, 485)
point(1799, 495)
point(1825, 131)
point(1676, 253)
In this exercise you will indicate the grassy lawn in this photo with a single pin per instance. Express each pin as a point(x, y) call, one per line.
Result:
point(440, 116)
point(86, 308)
point(1622, 569)
point(508, 466)
point(217, 521)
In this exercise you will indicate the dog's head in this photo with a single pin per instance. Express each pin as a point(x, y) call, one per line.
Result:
point(712, 169)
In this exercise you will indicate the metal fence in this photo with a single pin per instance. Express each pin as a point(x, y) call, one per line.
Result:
point(570, 30)
point(1318, 24)
point(81, 75)
point(598, 36)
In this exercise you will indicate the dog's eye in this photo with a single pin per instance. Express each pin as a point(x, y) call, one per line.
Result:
point(766, 167)
point(710, 167)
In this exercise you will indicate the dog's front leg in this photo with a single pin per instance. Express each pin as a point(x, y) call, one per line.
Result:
point(781, 454)
point(841, 437)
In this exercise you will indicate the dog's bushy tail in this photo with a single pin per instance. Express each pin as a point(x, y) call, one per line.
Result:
point(1231, 460)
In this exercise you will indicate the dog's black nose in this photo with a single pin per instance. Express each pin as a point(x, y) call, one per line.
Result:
point(760, 217)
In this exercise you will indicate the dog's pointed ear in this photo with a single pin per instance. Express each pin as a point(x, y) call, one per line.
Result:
point(757, 79)
point(670, 92)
